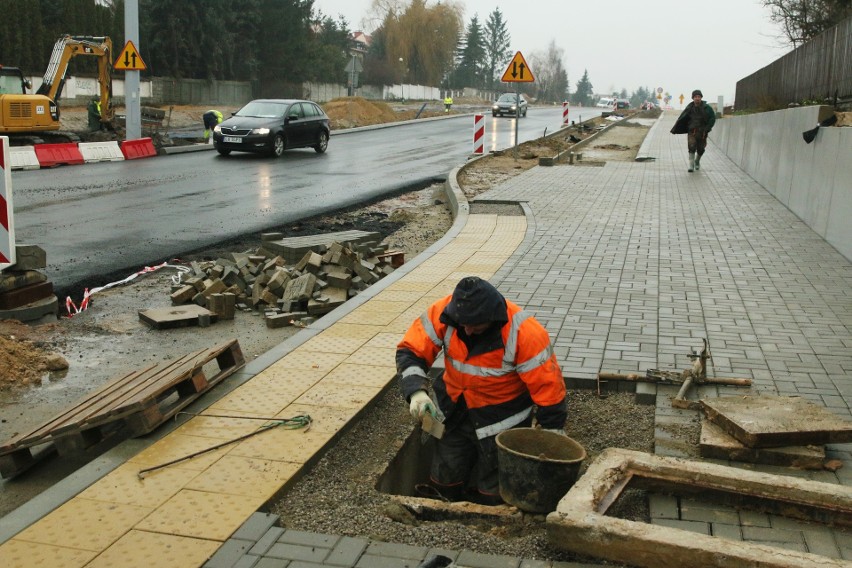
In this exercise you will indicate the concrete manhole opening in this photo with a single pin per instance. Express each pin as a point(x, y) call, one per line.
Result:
point(782, 521)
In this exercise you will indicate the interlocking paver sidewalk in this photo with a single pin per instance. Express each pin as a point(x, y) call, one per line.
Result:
point(628, 266)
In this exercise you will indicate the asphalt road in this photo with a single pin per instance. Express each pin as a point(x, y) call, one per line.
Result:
point(106, 220)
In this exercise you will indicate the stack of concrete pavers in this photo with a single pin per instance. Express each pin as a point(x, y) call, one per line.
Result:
point(776, 430)
point(323, 279)
point(25, 292)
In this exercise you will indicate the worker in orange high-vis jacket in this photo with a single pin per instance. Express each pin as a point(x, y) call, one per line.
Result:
point(499, 366)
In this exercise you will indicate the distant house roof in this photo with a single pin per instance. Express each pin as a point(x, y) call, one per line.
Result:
point(361, 41)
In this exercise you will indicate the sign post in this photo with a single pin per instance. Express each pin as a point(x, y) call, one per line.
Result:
point(518, 71)
point(7, 226)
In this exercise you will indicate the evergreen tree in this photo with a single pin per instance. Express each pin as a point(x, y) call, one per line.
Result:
point(584, 95)
point(497, 41)
point(471, 67)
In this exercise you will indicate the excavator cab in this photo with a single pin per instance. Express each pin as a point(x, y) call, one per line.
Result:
point(23, 113)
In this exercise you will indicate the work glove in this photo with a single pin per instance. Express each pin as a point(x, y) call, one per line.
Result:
point(420, 403)
point(560, 431)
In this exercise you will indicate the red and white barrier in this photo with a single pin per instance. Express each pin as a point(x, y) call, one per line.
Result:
point(479, 134)
point(565, 113)
point(23, 158)
point(100, 151)
point(7, 226)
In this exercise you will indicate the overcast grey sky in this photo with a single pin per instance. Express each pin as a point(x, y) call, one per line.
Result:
point(678, 46)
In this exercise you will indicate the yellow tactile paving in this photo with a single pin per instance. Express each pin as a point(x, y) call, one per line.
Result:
point(369, 316)
point(142, 549)
point(199, 514)
point(20, 554)
point(252, 477)
point(303, 358)
point(175, 446)
point(392, 295)
point(387, 340)
point(85, 524)
point(178, 515)
point(338, 395)
point(362, 375)
point(324, 418)
point(296, 446)
point(381, 356)
point(123, 485)
point(218, 428)
point(354, 330)
point(257, 400)
point(407, 284)
point(281, 376)
point(329, 344)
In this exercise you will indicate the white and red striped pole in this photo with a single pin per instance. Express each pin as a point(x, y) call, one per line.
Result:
point(479, 134)
point(565, 113)
point(7, 228)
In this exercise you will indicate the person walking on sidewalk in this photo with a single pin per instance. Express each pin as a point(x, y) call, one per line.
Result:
point(696, 121)
point(499, 363)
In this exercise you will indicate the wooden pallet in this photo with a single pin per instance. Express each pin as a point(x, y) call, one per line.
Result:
point(134, 404)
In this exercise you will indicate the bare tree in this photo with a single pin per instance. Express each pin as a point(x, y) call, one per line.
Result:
point(802, 20)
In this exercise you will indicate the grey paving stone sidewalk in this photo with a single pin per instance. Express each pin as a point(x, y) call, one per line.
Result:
point(629, 266)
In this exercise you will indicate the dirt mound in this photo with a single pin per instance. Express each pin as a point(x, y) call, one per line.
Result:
point(23, 361)
point(349, 112)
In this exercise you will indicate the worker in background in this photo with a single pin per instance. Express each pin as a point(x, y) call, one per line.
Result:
point(211, 119)
point(94, 114)
point(448, 102)
point(499, 363)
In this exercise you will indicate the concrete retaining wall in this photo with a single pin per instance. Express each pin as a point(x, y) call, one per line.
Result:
point(813, 180)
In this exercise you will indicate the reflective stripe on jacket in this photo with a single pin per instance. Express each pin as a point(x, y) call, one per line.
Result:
point(499, 386)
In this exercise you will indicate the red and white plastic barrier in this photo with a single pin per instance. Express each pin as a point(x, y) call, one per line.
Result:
point(140, 148)
point(565, 113)
point(73, 309)
point(479, 134)
point(7, 226)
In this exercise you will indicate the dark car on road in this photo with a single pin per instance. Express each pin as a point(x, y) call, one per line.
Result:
point(270, 126)
point(507, 105)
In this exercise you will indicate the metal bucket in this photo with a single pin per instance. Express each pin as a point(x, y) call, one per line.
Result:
point(536, 468)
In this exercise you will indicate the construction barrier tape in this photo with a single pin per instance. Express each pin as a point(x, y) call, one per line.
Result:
point(73, 309)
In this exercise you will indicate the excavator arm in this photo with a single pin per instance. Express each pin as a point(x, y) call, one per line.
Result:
point(64, 50)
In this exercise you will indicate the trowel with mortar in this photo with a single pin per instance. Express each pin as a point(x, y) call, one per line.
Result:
point(432, 424)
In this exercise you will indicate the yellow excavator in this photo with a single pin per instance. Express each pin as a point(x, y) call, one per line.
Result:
point(23, 113)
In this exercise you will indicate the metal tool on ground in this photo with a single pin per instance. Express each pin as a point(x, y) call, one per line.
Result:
point(695, 375)
point(298, 421)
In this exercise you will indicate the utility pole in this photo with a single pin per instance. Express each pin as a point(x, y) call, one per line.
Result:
point(132, 103)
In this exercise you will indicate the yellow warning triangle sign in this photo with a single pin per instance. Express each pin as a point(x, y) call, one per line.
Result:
point(129, 59)
point(518, 71)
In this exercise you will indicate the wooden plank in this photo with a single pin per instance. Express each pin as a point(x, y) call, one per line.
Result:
point(131, 392)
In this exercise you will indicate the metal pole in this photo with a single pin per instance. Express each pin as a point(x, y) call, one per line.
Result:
point(517, 117)
point(132, 104)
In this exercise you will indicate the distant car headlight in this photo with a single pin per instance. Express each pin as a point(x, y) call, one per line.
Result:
point(260, 131)
point(514, 107)
point(495, 107)
point(217, 129)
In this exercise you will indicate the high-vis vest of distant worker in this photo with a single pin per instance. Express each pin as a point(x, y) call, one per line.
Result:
point(500, 386)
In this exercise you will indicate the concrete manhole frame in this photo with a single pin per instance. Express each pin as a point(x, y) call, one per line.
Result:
point(580, 524)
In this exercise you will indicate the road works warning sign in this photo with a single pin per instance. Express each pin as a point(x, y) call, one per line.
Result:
point(518, 71)
point(7, 229)
point(129, 59)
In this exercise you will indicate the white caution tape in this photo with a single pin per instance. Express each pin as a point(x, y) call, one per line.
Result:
point(73, 309)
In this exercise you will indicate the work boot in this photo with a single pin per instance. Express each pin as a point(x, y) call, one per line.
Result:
point(697, 162)
point(691, 162)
